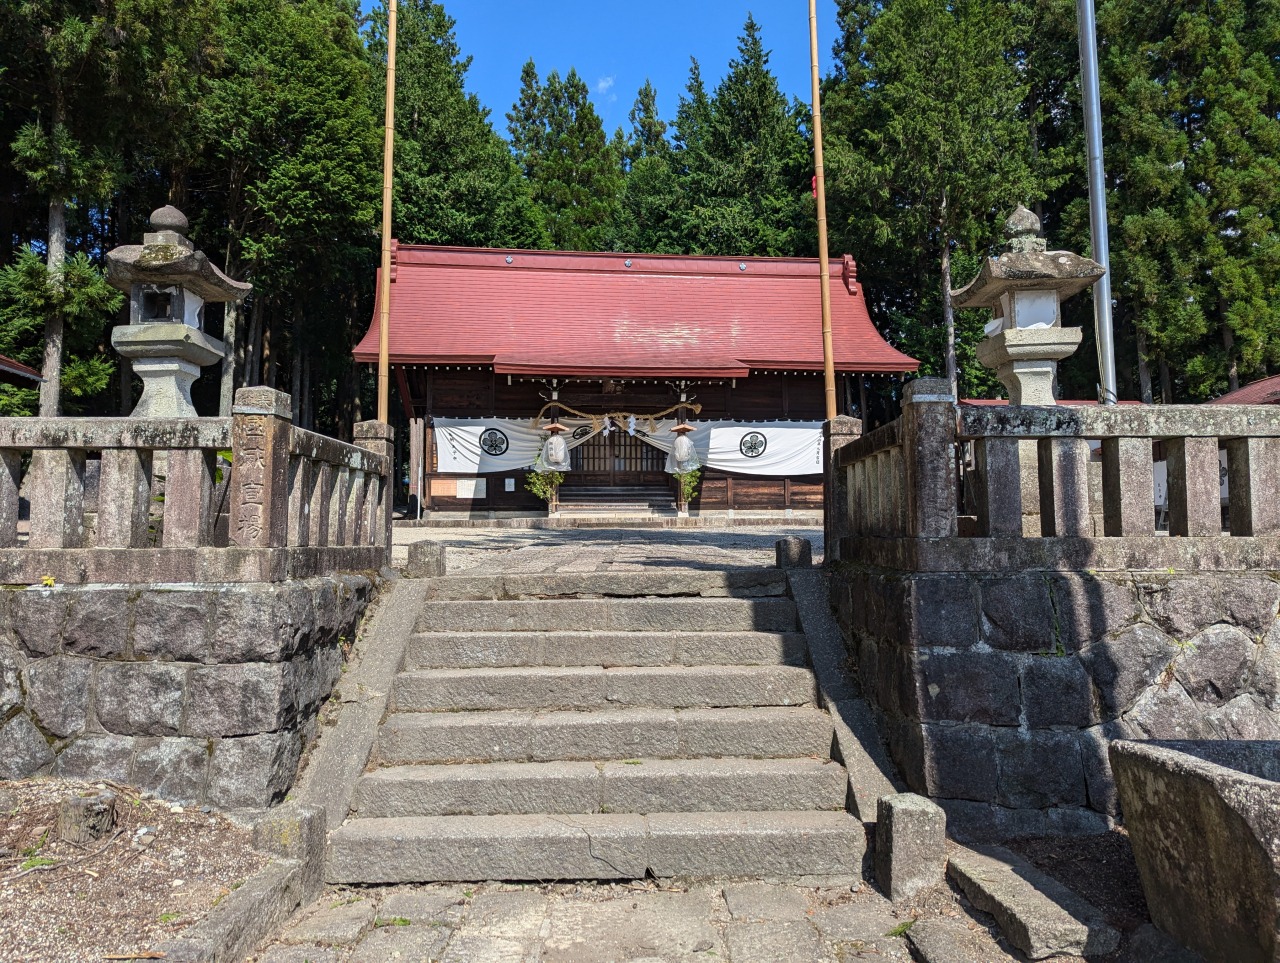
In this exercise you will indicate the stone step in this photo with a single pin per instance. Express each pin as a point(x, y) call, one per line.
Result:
point(467, 650)
point(1036, 913)
point(514, 736)
point(665, 687)
point(601, 846)
point(628, 786)
point(743, 582)
point(618, 615)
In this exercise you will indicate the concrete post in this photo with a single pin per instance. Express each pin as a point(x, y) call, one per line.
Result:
point(379, 437)
point(928, 442)
point(260, 426)
point(836, 433)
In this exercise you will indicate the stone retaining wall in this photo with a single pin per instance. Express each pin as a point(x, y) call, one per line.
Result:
point(1000, 692)
point(197, 692)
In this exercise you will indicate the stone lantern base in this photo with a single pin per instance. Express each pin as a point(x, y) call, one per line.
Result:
point(1026, 360)
point(168, 359)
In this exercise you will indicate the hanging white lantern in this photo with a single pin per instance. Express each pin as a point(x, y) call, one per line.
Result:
point(555, 454)
point(684, 454)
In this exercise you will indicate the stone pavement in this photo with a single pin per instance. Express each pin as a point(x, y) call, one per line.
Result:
point(639, 922)
point(513, 551)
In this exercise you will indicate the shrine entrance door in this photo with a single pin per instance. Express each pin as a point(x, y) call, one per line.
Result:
point(615, 460)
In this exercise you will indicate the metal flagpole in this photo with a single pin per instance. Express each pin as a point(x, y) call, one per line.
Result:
point(1092, 97)
point(820, 190)
point(388, 154)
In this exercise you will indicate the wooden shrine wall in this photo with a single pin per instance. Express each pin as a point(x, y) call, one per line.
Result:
point(760, 397)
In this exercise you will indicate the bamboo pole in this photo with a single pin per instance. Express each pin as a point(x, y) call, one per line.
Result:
point(820, 188)
point(384, 280)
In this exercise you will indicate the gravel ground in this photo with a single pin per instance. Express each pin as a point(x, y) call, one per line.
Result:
point(62, 902)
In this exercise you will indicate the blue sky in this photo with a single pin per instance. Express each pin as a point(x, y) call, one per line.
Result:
point(616, 45)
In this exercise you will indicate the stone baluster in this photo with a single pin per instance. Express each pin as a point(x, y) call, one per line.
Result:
point(928, 442)
point(1064, 487)
point(1195, 488)
point(301, 480)
point(998, 487)
point(355, 508)
point(10, 483)
point(321, 500)
point(1253, 477)
point(837, 503)
point(260, 429)
point(124, 498)
point(188, 491)
point(55, 490)
point(338, 505)
point(378, 437)
point(1127, 487)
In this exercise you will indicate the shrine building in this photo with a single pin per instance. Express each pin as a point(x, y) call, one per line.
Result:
point(488, 347)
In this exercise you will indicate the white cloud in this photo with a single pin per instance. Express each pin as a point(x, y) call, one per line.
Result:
point(603, 85)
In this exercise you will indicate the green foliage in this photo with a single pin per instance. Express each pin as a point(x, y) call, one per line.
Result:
point(574, 174)
point(744, 162)
point(928, 151)
point(688, 481)
point(28, 296)
point(456, 181)
point(544, 484)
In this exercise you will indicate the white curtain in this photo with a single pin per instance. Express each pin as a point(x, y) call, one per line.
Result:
point(749, 448)
point(474, 446)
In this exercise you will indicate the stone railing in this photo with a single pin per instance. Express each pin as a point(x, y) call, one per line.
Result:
point(1058, 484)
point(250, 498)
point(1015, 596)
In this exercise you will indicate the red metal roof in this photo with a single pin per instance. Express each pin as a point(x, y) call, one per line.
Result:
point(560, 312)
point(16, 373)
point(1264, 392)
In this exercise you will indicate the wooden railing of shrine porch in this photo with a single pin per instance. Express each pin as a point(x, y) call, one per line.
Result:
point(974, 488)
point(171, 506)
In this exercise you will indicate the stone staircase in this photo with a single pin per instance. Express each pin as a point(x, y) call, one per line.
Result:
point(602, 726)
point(617, 500)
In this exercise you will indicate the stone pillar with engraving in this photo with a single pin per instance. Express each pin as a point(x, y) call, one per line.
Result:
point(169, 282)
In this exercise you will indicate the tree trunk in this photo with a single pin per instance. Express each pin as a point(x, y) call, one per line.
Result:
point(1166, 382)
point(949, 317)
point(230, 337)
point(295, 370)
point(1229, 342)
point(82, 819)
point(1144, 368)
point(253, 368)
point(51, 370)
point(268, 352)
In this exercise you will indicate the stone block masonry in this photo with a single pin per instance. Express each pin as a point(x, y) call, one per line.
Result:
point(1000, 692)
point(198, 692)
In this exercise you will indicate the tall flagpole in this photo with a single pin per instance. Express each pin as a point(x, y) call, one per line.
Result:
point(384, 279)
point(820, 189)
point(1099, 241)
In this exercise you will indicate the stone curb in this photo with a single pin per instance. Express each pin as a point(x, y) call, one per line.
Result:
point(296, 833)
point(1037, 914)
point(858, 744)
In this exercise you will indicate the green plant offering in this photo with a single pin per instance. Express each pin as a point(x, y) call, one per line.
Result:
point(688, 484)
point(544, 484)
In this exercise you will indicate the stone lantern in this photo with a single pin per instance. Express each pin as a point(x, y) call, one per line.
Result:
point(1024, 288)
point(169, 282)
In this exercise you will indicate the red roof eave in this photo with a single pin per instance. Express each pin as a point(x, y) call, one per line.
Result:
point(604, 314)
